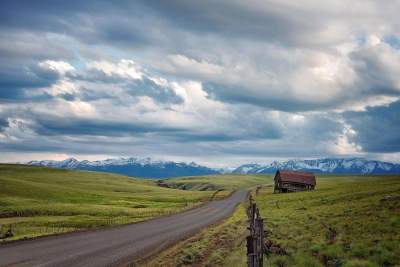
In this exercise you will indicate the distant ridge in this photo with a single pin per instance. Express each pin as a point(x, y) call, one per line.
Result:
point(144, 168)
point(148, 168)
point(325, 165)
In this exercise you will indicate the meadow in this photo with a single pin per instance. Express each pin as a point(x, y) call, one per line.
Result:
point(350, 221)
point(39, 201)
point(346, 221)
point(219, 182)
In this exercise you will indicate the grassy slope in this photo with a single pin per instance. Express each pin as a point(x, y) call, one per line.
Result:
point(40, 201)
point(367, 229)
point(47, 201)
point(215, 182)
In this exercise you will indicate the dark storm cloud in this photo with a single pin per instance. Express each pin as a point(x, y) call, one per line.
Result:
point(46, 15)
point(117, 23)
point(128, 24)
point(377, 128)
point(15, 81)
point(240, 94)
point(76, 126)
point(258, 132)
point(246, 128)
point(235, 19)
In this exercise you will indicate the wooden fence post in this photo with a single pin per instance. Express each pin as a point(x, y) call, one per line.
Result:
point(255, 241)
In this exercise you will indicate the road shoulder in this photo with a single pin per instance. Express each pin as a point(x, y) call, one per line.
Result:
point(220, 244)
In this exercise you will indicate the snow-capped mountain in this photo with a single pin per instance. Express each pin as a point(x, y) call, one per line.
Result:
point(148, 168)
point(246, 168)
point(326, 165)
point(145, 168)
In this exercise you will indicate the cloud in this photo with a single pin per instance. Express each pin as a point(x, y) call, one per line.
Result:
point(184, 65)
point(3, 124)
point(16, 81)
point(377, 129)
point(212, 79)
point(96, 127)
point(125, 76)
point(309, 52)
point(123, 69)
point(378, 68)
point(60, 67)
point(315, 81)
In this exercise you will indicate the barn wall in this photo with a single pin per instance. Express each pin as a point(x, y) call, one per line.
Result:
point(290, 187)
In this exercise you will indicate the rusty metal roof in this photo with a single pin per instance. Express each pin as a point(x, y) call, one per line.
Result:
point(297, 177)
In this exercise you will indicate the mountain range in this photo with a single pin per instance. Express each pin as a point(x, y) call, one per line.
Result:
point(325, 165)
point(144, 168)
point(148, 168)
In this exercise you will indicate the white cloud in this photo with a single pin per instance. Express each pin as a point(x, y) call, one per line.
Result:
point(344, 143)
point(64, 86)
point(124, 68)
point(60, 67)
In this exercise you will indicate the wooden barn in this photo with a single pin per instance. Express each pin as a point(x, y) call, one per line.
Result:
point(293, 181)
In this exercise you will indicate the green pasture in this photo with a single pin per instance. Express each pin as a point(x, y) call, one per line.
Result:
point(40, 201)
point(220, 181)
point(346, 221)
point(37, 201)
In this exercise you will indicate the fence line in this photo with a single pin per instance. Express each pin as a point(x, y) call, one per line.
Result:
point(255, 241)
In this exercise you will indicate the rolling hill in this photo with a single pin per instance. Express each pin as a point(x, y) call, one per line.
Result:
point(39, 201)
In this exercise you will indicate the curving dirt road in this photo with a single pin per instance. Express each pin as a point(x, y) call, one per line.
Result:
point(116, 246)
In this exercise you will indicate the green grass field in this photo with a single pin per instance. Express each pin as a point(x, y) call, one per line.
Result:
point(344, 222)
point(219, 182)
point(367, 229)
point(40, 201)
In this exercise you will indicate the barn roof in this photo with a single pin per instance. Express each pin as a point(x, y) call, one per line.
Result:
point(297, 177)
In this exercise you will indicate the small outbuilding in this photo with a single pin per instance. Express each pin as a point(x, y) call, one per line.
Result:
point(293, 181)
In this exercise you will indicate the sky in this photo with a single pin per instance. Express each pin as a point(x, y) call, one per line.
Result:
point(217, 82)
